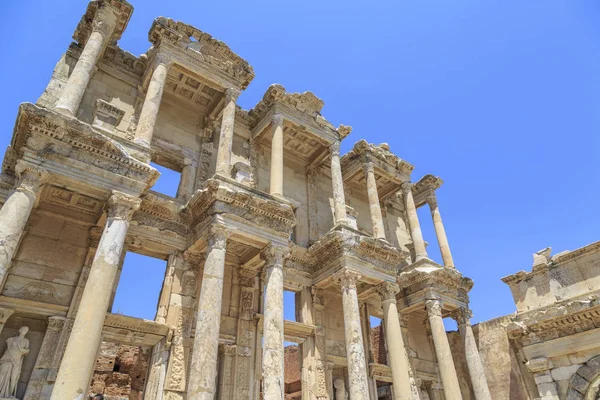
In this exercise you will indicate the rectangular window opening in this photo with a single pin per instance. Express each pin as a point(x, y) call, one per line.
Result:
point(377, 340)
point(293, 370)
point(289, 305)
point(139, 286)
point(168, 181)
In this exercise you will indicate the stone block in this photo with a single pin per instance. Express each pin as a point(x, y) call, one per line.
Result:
point(562, 373)
point(587, 372)
point(574, 395)
point(579, 383)
point(547, 389)
point(543, 378)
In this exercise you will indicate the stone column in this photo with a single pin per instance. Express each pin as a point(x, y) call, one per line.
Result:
point(442, 350)
point(374, 207)
point(339, 199)
point(277, 156)
point(395, 344)
point(188, 177)
point(203, 368)
point(413, 222)
point(273, 351)
point(80, 354)
point(102, 28)
point(440, 232)
point(226, 136)
point(474, 365)
point(15, 212)
point(149, 114)
point(357, 369)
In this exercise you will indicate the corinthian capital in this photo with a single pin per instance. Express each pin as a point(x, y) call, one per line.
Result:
point(231, 94)
point(406, 187)
point(432, 201)
point(462, 316)
point(217, 236)
point(105, 20)
point(335, 148)
point(122, 206)
point(275, 255)
point(31, 177)
point(368, 167)
point(347, 278)
point(388, 291)
point(434, 307)
point(277, 120)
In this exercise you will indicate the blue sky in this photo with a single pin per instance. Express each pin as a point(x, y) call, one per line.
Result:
point(500, 98)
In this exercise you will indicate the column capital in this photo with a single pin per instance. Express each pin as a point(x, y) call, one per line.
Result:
point(5, 313)
point(434, 307)
point(347, 278)
point(122, 206)
point(406, 187)
point(160, 57)
point(105, 21)
point(56, 323)
point(368, 166)
point(462, 316)
point(432, 201)
point(231, 94)
point(217, 236)
point(275, 255)
point(31, 177)
point(335, 148)
point(277, 119)
point(317, 295)
point(193, 259)
point(388, 291)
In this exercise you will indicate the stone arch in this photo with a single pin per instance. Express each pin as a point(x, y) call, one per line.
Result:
point(585, 383)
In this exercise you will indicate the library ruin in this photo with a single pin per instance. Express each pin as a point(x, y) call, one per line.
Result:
point(265, 204)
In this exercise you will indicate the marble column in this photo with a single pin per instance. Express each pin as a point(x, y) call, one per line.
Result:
point(442, 350)
point(374, 206)
point(149, 114)
point(398, 359)
point(474, 365)
point(339, 198)
point(188, 179)
point(226, 135)
point(273, 351)
point(440, 232)
point(79, 359)
point(276, 181)
point(413, 222)
point(102, 29)
point(15, 212)
point(202, 383)
point(357, 368)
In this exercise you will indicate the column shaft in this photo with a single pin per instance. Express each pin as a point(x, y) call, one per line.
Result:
point(188, 177)
point(474, 365)
point(273, 351)
point(203, 368)
point(395, 343)
point(440, 232)
point(413, 222)
point(442, 351)
point(357, 368)
point(226, 135)
point(339, 199)
point(72, 94)
point(149, 114)
point(276, 181)
point(80, 354)
point(15, 212)
point(374, 207)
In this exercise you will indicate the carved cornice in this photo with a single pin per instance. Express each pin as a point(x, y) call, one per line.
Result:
point(424, 189)
point(225, 196)
point(380, 155)
point(203, 48)
point(118, 13)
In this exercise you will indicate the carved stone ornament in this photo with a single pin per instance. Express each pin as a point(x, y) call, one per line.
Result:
point(122, 206)
point(432, 201)
point(434, 307)
point(231, 94)
point(11, 362)
point(335, 148)
point(275, 255)
point(462, 316)
point(31, 177)
point(388, 291)
point(217, 236)
point(406, 187)
point(347, 278)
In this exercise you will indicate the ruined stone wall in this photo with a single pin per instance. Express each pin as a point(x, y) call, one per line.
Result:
point(293, 374)
point(120, 372)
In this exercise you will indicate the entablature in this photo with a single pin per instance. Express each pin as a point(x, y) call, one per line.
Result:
point(122, 10)
point(425, 187)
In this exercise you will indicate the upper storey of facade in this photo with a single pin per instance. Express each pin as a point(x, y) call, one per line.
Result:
point(275, 171)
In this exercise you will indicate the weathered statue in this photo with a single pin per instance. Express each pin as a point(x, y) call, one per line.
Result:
point(11, 362)
point(340, 390)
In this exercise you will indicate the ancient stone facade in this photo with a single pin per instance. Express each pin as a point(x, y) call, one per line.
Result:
point(265, 203)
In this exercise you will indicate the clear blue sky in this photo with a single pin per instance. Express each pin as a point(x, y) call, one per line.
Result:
point(500, 98)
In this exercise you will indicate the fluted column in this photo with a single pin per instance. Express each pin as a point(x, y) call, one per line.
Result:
point(15, 212)
point(339, 199)
point(149, 114)
point(374, 206)
point(226, 135)
point(204, 356)
point(102, 29)
point(273, 350)
point(440, 232)
point(80, 354)
point(355, 351)
point(413, 222)
point(474, 365)
point(395, 343)
point(442, 350)
point(276, 181)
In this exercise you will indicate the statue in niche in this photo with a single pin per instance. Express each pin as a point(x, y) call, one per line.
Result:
point(11, 362)
point(340, 390)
